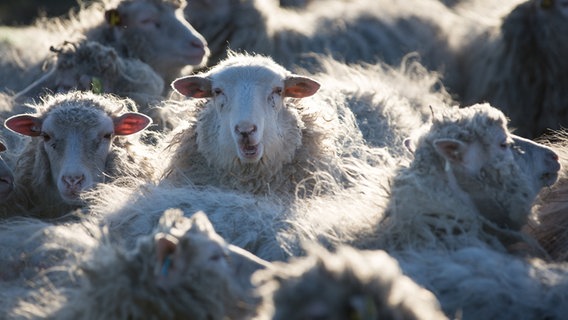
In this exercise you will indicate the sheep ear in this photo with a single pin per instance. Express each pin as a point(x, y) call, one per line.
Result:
point(300, 87)
point(193, 86)
point(24, 124)
point(113, 18)
point(451, 149)
point(130, 123)
point(165, 248)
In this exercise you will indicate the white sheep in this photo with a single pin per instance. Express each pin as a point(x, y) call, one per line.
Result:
point(464, 185)
point(254, 129)
point(347, 284)
point(183, 269)
point(518, 66)
point(351, 31)
point(153, 31)
point(74, 146)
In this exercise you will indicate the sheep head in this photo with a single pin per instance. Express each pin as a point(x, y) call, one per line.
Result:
point(157, 33)
point(474, 155)
point(247, 97)
point(75, 136)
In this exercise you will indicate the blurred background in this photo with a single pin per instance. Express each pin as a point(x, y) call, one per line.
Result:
point(21, 12)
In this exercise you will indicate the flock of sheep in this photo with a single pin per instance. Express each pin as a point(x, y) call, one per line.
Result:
point(264, 159)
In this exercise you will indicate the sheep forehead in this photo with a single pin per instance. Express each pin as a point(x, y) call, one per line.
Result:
point(247, 66)
point(236, 76)
point(81, 117)
point(479, 122)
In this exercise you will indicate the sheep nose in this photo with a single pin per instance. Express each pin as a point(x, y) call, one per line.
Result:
point(245, 130)
point(73, 181)
point(197, 44)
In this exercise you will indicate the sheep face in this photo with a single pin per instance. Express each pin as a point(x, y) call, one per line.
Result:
point(75, 140)
point(6, 177)
point(159, 34)
point(541, 162)
point(249, 105)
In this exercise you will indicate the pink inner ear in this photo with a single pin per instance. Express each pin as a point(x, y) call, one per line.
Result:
point(130, 123)
point(24, 124)
point(300, 87)
point(193, 86)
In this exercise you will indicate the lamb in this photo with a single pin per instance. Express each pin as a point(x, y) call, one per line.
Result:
point(347, 284)
point(463, 187)
point(351, 31)
point(257, 132)
point(518, 66)
point(153, 31)
point(74, 146)
point(183, 269)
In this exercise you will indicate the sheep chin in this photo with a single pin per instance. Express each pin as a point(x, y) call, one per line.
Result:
point(72, 197)
point(250, 153)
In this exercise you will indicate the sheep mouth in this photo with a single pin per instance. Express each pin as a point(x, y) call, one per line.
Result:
point(249, 152)
point(549, 178)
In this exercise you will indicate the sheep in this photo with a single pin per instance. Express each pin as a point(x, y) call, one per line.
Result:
point(481, 283)
point(351, 31)
point(463, 186)
point(153, 31)
point(347, 284)
point(74, 147)
point(255, 130)
point(518, 66)
point(183, 269)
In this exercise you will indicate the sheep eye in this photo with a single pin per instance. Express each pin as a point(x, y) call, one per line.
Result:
point(217, 91)
point(278, 91)
point(151, 21)
point(107, 136)
point(546, 4)
point(45, 136)
point(505, 145)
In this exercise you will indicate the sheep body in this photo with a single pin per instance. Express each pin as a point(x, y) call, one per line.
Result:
point(183, 269)
point(480, 283)
point(518, 67)
point(351, 31)
point(343, 285)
